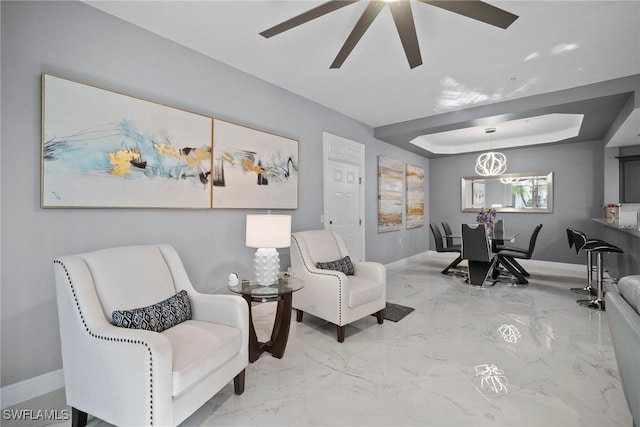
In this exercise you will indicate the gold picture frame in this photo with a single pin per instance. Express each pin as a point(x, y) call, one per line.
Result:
point(104, 149)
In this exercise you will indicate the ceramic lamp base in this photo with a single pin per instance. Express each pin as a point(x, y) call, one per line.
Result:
point(266, 265)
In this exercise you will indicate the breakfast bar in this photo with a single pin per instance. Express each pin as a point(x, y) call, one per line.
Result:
point(624, 234)
point(628, 228)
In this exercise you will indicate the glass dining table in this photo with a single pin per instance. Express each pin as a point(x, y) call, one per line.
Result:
point(497, 240)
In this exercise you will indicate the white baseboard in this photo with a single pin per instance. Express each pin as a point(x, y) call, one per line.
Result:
point(571, 269)
point(566, 267)
point(30, 388)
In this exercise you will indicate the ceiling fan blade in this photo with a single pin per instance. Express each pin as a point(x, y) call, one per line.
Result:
point(402, 16)
point(367, 17)
point(478, 10)
point(307, 16)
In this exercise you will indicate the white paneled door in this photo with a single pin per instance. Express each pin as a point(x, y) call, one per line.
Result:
point(344, 192)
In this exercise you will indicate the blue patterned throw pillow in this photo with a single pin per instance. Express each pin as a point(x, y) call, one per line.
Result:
point(344, 265)
point(156, 317)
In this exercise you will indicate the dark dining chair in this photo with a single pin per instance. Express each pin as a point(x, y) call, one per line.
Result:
point(507, 257)
point(437, 237)
point(476, 249)
point(448, 233)
point(497, 242)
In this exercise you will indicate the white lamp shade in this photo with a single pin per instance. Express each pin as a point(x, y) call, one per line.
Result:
point(268, 231)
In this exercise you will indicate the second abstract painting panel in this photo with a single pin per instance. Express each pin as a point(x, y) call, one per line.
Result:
point(253, 169)
point(390, 177)
point(415, 196)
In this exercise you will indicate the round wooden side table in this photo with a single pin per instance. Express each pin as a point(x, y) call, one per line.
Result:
point(281, 292)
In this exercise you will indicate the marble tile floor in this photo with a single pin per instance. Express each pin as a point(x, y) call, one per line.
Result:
point(501, 356)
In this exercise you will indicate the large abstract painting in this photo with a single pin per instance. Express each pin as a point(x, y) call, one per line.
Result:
point(415, 196)
point(105, 149)
point(390, 178)
point(253, 169)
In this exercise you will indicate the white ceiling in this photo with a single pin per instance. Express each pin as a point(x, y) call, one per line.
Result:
point(543, 129)
point(552, 46)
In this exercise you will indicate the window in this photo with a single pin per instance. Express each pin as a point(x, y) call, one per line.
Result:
point(530, 192)
point(630, 179)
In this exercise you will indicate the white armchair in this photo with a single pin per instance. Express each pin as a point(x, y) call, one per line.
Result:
point(329, 294)
point(136, 377)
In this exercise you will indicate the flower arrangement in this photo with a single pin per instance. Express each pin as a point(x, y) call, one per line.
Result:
point(487, 217)
point(612, 205)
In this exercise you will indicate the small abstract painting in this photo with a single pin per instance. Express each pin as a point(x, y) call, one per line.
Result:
point(415, 196)
point(253, 169)
point(105, 149)
point(477, 193)
point(390, 178)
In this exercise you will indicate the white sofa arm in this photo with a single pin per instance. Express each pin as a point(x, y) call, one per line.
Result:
point(624, 323)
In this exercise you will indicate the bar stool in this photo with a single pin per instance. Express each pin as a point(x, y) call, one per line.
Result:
point(599, 248)
point(578, 239)
point(570, 237)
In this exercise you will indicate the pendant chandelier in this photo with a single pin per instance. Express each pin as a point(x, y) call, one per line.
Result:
point(491, 163)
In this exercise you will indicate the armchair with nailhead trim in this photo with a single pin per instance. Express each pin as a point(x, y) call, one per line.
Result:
point(331, 294)
point(135, 377)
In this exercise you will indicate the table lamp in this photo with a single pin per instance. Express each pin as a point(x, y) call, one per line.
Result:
point(267, 233)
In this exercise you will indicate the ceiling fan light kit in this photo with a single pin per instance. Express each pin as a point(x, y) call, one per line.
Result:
point(403, 19)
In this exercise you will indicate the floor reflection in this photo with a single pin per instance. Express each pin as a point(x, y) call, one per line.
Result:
point(464, 357)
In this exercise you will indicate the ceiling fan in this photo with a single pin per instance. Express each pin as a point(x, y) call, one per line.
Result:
point(403, 18)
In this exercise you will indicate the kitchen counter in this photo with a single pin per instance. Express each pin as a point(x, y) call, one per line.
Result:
point(625, 227)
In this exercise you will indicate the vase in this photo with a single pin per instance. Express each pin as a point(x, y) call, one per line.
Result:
point(611, 213)
point(488, 227)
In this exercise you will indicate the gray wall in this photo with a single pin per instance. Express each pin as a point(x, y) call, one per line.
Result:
point(78, 42)
point(578, 194)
